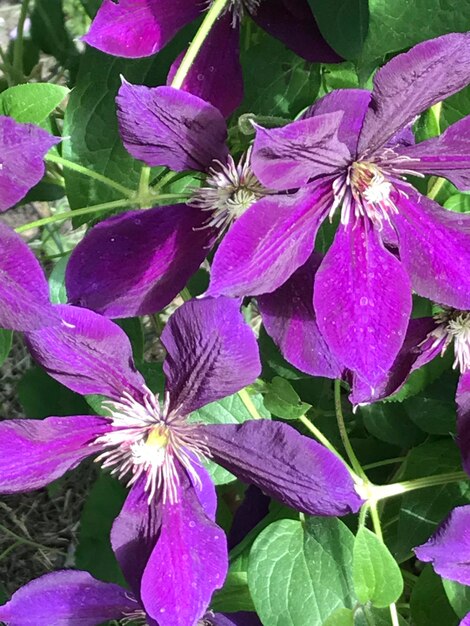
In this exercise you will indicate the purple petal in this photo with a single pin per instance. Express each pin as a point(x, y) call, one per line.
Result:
point(211, 353)
point(362, 298)
point(289, 157)
point(252, 510)
point(136, 263)
point(293, 23)
point(465, 621)
point(290, 320)
point(449, 547)
point(412, 82)
point(463, 418)
point(269, 242)
point(241, 618)
point(33, 453)
point(67, 598)
point(139, 28)
point(87, 353)
point(24, 293)
point(434, 248)
point(217, 65)
point(22, 150)
point(188, 564)
point(166, 126)
point(447, 156)
point(204, 489)
point(292, 468)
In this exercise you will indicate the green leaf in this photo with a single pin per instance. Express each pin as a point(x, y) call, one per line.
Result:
point(6, 338)
point(282, 400)
point(234, 595)
point(299, 574)
point(32, 103)
point(390, 423)
point(343, 24)
point(458, 596)
point(433, 410)
point(341, 617)
point(428, 602)
point(459, 202)
point(57, 290)
point(132, 326)
point(376, 575)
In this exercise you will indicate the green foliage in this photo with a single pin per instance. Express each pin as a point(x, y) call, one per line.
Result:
point(283, 401)
point(32, 103)
point(340, 617)
point(343, 24)
point(428, 602)
point(6, 338)
point(458, 596)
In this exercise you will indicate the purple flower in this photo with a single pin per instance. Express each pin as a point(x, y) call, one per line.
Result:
point(350, 155)
point(74, 597)
point(170, 549)
point(146, 257)
point(139, 28)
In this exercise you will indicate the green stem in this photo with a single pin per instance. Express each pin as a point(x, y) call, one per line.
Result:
point(25, 541)
point(212, 15)
point(380, 492)
point(435, 186)
point(18, 45)
point(144, 181)
point(397, 459)
point(185, 294)
point(80, 169)
point(319, 435)
point(344, 433)
point(248, 402)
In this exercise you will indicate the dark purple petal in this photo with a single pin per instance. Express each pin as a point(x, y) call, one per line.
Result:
point(434, 248)
point(33, 453)
point(217, 65)
point(136, 263)
point(412, 82)
point(465, 621)
point(292, 468)
point(24, 293)
point(166, 126)
point(269, 242)
point(22, 150)
point(204, 489)
point(67, 598)
point(362, 298)
point(293, 23)
point(290, 320)
point(252, 510)
point(291, 156)
point(449, 547)
point(211, 353)
point(87, 353)
point(463, 419)
point(188, 564)
point(241, 618)
point(447, 155)
point(139, 28)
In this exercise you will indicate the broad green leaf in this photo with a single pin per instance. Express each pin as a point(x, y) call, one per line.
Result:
point(282, 400)
point(376, 575)
point(91, 6)
point(132, 326)
point(57, 290)
point(428, 602)
point(299, 574)
point(433, 410)
point(390, 423)
point(234, 595)
point(458, 596)
point(343, 23)
point(341, 617)
point(6, 338)
point(455, 108)
point(459, 202)
point(32, 103)
point(368, 615)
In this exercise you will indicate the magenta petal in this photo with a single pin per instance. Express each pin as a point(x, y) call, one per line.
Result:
point(292, 468)
point(204, 489)
point(211, 353)
point(449, 547)
point(22, 150)
point(87, 353)
point(217, 65)
point(289, 157)
point(24, 293)
point(434, 248)
point(188, 564)
point(166, 126)
point(465, 621)
point(412, 82)
point(139, 28)
point(240, 618)
point(269, 242)
point(136, 263)
point(463, 419)
point(290, 320)
point(67, 598)
point(362, 298)
point(33, 453)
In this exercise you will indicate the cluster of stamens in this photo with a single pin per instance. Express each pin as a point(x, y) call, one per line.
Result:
point(454, 325)
point(238, 8)
point(146, 439)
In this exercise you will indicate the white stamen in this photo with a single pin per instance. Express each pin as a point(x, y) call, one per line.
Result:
point(459, 329)
point(238, 8)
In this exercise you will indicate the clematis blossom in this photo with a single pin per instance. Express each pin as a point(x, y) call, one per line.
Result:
point(350, 156)
point(172, 553)
point(139, 28)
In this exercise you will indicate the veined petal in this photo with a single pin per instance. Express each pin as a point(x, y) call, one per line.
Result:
point(204, 489)
point(136, 263)
point(291, 156)
point(22, 150)
point(269, 242)
point(33, 453)
point(188, 564)
point(139, 28)
point(449, 547)
point(87, 353)
point(217, 65)
point(166, 126)
point(362, 297)
point(434, 247)
point(67, 598)
point(292, 468)
point(24, 293)
point(412, 82)
point(463, 419)
point(290, 320)
point(211, 353)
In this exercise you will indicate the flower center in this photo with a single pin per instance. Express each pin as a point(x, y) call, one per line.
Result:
point(238, 8)
point(229, 191)
point(454, 325)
